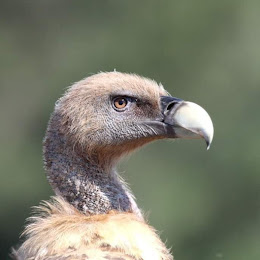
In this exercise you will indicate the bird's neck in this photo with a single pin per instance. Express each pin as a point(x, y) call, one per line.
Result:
point(89, 187)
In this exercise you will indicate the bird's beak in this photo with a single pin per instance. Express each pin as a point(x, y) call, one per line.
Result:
point(185, 119)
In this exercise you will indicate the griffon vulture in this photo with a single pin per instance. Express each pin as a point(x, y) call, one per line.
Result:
point(94, 215)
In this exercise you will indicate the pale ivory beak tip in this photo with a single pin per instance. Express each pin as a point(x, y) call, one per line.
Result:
point(196, 120)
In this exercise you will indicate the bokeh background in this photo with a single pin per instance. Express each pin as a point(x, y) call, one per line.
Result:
point(204, 203)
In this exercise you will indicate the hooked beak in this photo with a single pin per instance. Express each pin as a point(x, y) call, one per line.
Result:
point(185, 119)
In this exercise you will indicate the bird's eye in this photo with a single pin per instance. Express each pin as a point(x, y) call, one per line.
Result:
point(120, 103)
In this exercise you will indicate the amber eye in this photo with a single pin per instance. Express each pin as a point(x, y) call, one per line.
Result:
point(120, 103)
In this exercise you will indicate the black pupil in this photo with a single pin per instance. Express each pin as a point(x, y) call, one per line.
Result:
point(121, 102)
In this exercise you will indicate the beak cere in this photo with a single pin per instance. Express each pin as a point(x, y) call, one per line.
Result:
point(187, 119)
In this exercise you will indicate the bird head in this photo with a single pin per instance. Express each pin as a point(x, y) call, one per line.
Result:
point(110, 114)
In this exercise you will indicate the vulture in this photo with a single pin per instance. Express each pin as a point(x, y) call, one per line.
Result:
point(93, 214)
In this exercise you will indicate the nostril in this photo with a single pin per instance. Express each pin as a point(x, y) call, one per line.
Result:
point(171, 105)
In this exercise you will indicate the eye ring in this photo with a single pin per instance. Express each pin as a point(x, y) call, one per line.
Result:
point(120, 103)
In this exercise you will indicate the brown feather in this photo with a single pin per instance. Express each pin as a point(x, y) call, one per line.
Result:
point(59, 231)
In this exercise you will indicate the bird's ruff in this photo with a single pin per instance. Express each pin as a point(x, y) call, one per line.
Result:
point(58, 229)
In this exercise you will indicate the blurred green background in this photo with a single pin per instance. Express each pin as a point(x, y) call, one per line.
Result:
point(205, 204)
